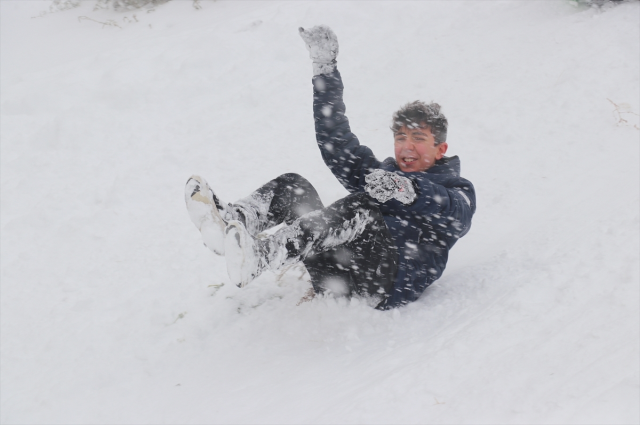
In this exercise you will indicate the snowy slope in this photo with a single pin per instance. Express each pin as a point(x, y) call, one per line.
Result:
point(112, 310)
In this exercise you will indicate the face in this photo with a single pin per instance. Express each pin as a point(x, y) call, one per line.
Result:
point(416, 149)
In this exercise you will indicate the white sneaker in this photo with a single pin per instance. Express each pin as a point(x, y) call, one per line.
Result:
point(201, 204)
point(245, 259)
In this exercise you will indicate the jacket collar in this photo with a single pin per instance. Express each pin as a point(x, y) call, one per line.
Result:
point(447, 165)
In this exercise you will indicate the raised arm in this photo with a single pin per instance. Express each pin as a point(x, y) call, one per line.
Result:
point(341, 151)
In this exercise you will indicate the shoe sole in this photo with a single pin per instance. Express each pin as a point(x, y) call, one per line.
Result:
point(204, 214)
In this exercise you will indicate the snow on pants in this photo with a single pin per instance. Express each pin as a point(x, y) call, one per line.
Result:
point(346, 247)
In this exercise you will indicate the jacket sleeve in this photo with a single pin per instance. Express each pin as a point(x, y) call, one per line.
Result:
point(341, 151)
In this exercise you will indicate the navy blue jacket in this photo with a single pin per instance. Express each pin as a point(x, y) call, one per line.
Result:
point(424, 231)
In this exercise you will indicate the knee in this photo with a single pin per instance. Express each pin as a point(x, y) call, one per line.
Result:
point(294, 179)
point(360, 199)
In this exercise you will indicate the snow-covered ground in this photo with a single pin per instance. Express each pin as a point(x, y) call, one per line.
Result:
point(112, 311)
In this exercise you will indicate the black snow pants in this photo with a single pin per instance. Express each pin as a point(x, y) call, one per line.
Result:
point(348, 247)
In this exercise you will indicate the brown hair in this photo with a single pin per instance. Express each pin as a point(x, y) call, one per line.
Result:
point(418, 114)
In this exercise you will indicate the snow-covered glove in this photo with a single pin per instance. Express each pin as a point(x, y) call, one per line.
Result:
point(384, 185)
point(322, 45)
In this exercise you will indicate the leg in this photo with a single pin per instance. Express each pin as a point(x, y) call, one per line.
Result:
point(329, 271)
point(360, 252)
point(345, 245)
point(282, 200)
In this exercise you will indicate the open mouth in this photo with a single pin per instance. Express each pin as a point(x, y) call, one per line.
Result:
point(409, 160)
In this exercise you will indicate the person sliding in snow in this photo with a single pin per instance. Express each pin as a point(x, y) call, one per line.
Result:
point(390, 238)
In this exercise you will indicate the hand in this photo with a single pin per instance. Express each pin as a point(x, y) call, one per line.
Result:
point(322, 45)
point(384, 185)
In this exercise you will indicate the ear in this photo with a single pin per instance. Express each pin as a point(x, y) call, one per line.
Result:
point(442, 149)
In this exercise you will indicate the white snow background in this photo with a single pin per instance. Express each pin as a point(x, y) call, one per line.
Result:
point(112, 309)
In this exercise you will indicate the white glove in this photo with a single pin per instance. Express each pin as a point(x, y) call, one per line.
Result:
point(384, 185)
point(322, 45)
